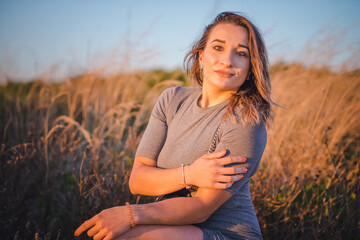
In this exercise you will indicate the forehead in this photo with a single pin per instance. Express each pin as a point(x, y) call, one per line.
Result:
point(230, 33)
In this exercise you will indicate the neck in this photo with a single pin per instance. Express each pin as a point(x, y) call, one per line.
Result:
point(212, 96)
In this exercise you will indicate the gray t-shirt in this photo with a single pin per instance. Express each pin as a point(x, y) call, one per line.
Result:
point(179, 131)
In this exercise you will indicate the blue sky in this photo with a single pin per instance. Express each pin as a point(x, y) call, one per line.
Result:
point(66, 37)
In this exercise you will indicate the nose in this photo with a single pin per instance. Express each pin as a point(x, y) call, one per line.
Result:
point(226, 59)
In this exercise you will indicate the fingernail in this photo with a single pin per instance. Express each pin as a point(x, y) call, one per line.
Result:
point(245, 169)
point(76, 234)
point(241, 176)
point(244, 159)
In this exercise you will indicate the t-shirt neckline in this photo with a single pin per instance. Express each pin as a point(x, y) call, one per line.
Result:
point(211, 108)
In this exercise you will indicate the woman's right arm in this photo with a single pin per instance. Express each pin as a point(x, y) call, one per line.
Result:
point(208, 171)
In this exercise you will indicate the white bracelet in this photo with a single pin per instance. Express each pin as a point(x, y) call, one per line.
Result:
point(183, 175)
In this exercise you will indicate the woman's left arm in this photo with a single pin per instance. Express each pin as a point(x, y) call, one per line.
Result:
point(115, 221)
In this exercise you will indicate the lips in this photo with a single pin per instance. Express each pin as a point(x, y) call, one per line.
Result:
point(224, 73)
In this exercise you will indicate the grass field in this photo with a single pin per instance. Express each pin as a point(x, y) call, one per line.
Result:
point(67, 150)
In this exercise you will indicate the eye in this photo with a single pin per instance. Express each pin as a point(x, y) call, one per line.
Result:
point(218, 48)
point(242, 53)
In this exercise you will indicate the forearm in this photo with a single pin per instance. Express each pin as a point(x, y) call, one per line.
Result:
point(117, 220)
point(175, 211)
point(208, 171)
point(182, 210)
point(153, 181)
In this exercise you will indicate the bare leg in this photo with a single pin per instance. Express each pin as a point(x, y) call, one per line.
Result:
point(163, 232)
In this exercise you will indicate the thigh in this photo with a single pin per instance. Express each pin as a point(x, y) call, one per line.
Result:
point(163, 232)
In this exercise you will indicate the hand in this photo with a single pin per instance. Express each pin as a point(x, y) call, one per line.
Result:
point(208, 171)
point(108, 224)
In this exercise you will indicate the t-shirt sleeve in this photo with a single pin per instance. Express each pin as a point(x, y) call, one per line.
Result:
point(248, 141)
point(155, 133)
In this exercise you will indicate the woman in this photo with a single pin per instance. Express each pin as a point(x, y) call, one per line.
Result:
point(228, 113)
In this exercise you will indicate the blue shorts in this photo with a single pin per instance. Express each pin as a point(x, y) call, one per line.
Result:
point(210, 234)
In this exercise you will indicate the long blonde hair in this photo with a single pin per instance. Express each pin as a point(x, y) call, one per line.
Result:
point(254, 95)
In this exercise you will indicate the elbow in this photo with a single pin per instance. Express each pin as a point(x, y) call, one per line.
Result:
point(133, 186)
point(202, 217)
point(203, 214)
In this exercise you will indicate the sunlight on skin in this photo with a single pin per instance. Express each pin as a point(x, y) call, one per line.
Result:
point(225, 62)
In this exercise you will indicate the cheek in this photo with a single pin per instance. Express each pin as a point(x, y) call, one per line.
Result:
point(243, 67)
point(242, 72)
point(209, 58)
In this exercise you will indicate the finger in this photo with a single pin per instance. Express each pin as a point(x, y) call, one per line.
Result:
point(215, 155)
point(109, 237)
point(219, 185)
point(232, 170)
point(94, 230)
point(229, 179)
point(229, 160)
point(101, 234)
point(86, 225)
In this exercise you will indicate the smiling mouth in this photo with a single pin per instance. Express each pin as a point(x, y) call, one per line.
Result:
point(226, 74)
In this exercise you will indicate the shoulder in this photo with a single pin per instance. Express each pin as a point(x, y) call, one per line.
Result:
point(171, 99)
point(252, 136)
point(179, 92)
point(240, 126)
point(174, 97)
point(256, 127)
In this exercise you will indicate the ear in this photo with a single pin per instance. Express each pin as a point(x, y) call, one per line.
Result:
point(201, 53)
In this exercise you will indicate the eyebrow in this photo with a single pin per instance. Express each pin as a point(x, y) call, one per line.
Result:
point(222, 41)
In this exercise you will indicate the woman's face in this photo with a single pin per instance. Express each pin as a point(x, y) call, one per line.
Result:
point(226, 57)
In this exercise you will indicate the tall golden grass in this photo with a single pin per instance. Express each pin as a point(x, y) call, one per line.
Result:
point(308, 184)
point(67, 151)
point(67, 148)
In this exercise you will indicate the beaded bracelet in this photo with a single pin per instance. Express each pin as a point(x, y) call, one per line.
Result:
point(132, 222)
